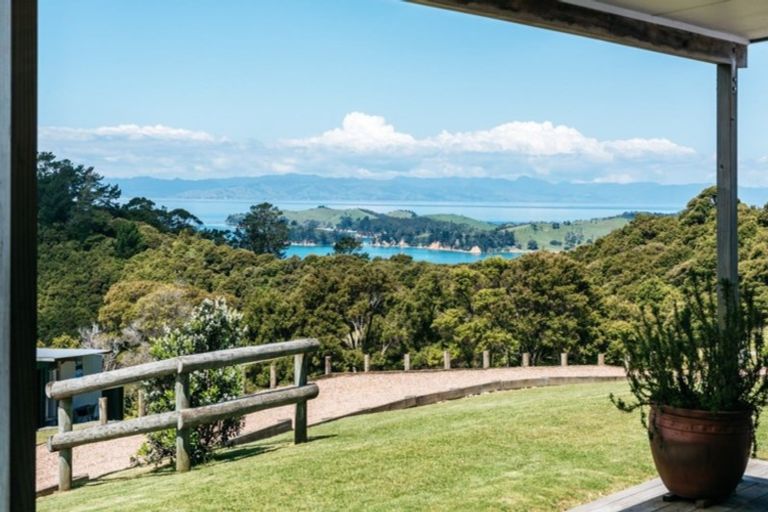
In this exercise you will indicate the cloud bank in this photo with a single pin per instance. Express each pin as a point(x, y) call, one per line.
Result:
point(367, 145)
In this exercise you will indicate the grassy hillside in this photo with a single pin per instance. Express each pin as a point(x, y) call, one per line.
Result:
point(463, 220)
point(556, 236)
point(530, 450)
point(327, 216)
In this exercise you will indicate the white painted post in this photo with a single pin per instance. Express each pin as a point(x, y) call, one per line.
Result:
point(407, 362)
point(601, 359)
point(526, 359)
point(564, 359)
point(486, 359)
point(328, 365)
point(446, 360)
point(366, 363)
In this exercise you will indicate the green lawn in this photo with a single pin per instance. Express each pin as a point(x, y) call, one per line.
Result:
point(536, 449)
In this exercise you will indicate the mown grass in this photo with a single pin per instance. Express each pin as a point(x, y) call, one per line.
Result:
point(530, 450)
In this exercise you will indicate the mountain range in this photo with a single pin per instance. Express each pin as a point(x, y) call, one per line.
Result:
point(305, 187)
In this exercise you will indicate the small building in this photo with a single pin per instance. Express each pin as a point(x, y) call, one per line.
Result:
point(65, 363)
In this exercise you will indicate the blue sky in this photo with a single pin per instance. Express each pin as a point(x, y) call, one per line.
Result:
point(376, 88)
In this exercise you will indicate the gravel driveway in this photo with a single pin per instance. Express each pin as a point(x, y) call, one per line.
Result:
point(340, 395)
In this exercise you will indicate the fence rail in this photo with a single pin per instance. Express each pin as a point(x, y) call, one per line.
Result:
point(184, 417)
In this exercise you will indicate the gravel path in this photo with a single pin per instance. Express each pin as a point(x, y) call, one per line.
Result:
point(339, 395)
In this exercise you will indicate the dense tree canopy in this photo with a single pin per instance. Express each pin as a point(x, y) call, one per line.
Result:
point(136, 268)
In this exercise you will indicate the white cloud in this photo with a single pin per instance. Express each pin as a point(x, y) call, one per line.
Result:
point(125, 131)
point(369, 146)
point(366, 133)
point(359, 132)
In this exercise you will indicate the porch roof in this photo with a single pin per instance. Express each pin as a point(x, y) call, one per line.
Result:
point(707, 30)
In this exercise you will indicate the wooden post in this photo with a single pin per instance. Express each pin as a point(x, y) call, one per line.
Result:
point(328, 365)
point(103, 411)
point(65, 455)
point(300, 366)
point(446, 360)
point(486, 359)
point(183, 462)
point(601, 359)
point(272, 376)
point(526, 359)
point(564, 359)
point(407, 362)
point(18, 253)
point(727, 184)
point(142, 405)
point(366, 363)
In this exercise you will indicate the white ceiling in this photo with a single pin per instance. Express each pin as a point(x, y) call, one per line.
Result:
point(740, 21)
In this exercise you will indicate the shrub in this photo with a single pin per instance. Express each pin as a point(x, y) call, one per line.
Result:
point(212, 326)
point(688, 360)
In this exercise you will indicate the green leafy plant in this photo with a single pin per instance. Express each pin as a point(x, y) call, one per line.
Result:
point(213, 325)
point(692, 359)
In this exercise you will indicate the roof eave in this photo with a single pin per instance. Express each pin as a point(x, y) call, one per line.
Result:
point(607, 26)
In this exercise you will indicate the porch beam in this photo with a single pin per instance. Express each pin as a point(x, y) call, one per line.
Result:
point(727, 182)
point(612, 27)
point(18, 253)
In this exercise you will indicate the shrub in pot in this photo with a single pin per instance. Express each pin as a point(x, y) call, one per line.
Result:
point(702, 379)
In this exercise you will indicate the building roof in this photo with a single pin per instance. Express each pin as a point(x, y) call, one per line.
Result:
point(739, 21)
point(50, 355)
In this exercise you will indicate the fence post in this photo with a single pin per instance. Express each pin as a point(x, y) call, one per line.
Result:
point(526, 359)
point(182, 435)
point(564, 359)
point(446, 360)
point(407, 362)
point(366, 363)
point(65, 455)
point(142, 407)
point(327, 365)
point(103, 410)
point(300, 364)
point(272, 376)
point(486, 359)
point(601, 359)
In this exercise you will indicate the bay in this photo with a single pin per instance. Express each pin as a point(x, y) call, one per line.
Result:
point(417, 253)
point(214, 212)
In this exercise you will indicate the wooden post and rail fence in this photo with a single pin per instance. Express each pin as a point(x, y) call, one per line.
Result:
point(184, 417)
point(447, 363)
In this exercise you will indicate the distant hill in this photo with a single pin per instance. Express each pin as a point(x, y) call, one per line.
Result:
point(557, 236)
point(393, 227)
point(328, 217)
point(303, 187)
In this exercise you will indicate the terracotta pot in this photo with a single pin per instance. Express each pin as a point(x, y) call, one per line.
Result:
point(700, 454)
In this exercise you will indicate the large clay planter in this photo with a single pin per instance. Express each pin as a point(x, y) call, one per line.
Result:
point(700, 454)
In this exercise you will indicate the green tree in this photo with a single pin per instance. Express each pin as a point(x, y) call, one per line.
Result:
point(347, 245)
point(73, 197)
point(128, 240)
point(212, 326)
point(263, 230)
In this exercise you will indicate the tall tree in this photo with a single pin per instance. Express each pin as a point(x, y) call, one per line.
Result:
point(263, 230)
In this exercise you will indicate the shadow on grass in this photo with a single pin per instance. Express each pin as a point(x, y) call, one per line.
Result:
point(320, 438)
point(224, 456)
point(234, 454)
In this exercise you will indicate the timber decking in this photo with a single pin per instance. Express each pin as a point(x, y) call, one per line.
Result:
point(750, 496)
